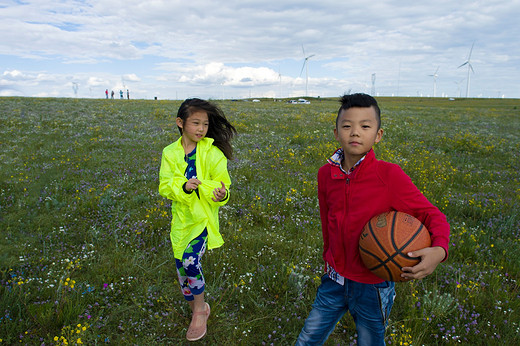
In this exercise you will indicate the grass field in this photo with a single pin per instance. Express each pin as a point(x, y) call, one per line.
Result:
point(85, 255)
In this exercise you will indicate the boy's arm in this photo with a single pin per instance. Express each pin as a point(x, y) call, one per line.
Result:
point(430, 259)
point(323, 214)
point(407, 198)
point(412, 201)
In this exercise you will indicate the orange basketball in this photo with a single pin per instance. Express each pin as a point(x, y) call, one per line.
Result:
point(385, 241)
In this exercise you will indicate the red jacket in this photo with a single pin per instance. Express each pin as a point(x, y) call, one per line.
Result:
point(347, 204)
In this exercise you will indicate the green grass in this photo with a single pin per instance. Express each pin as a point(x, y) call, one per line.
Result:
point(85, 251)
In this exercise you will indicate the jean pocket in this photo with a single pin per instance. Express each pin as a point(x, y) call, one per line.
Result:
point(386, 294)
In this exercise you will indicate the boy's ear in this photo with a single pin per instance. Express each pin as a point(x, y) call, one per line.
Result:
point(379, 135)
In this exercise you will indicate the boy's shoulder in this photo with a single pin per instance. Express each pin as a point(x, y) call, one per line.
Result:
point(385, 165)
point(390, 172)
point(326, 169)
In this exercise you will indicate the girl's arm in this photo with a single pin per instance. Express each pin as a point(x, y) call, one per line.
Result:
point(219, 176)
point(172, 183)
point(220, 194)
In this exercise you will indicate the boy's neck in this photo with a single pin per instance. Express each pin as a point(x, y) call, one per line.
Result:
point(350, 161)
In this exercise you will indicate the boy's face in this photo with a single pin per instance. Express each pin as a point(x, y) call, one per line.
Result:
point(357, 131)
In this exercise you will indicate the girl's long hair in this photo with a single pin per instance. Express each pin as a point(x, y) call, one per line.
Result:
point(219, 128)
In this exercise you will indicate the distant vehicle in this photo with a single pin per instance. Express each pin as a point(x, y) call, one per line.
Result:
point(255, 100)
point(299, 102)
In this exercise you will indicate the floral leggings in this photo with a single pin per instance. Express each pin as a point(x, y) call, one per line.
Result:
point(189, 268)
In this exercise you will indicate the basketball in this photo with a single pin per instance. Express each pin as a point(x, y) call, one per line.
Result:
point(385, 241)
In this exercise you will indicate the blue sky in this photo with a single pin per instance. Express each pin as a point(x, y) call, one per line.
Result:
point(235, 49)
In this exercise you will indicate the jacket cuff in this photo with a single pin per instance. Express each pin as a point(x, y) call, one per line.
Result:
point(225, 198)
point(184, 189)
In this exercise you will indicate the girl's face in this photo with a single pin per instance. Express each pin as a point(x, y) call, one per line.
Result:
point(194, 128)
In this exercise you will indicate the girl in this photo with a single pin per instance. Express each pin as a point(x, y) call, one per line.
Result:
point(194, 176)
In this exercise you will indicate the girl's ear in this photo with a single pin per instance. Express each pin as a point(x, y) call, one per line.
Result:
point(179, 122)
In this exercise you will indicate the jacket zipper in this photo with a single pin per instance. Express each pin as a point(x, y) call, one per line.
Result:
point(347, 194)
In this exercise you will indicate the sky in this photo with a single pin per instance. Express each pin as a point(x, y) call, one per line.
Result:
point(230, 49)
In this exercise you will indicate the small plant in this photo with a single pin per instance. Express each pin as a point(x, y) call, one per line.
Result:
point(437, 305)
point(297, 280)
point(72, 335)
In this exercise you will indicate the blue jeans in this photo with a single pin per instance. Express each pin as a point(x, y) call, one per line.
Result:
point(369, 305)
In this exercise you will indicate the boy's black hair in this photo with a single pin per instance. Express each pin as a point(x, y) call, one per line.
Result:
point(359, 100)
point(219, 127)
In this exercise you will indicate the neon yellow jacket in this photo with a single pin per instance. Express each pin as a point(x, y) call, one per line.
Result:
point(191, 212)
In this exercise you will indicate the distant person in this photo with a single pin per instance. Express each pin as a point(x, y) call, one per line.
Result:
point(113, 94)
point(353, 187)
point(120, 94)
point(106, 93)
point(127, 94)
point(194, 176)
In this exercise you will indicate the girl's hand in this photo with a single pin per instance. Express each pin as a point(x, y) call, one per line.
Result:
point(219, 193)
point(192, 184)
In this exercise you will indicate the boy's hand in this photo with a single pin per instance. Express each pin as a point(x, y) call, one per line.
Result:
point(430, 259)
point(192, 184)
point(219, 193)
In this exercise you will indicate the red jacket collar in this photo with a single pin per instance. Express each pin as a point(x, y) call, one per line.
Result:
point(337, 172)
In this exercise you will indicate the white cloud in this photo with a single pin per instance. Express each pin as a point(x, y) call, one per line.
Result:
point(131, 77)
point(218, 73)
point(14, 75)
point(96, 82)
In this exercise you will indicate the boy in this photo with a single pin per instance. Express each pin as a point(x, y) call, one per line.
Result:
point(353, 187)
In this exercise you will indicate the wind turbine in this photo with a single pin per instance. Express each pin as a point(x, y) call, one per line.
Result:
point(373, 84)
point(280, 80)
point(435, 75)
point(75, 87)
point(468, 62)
point(306, 67)
point(458, 86)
